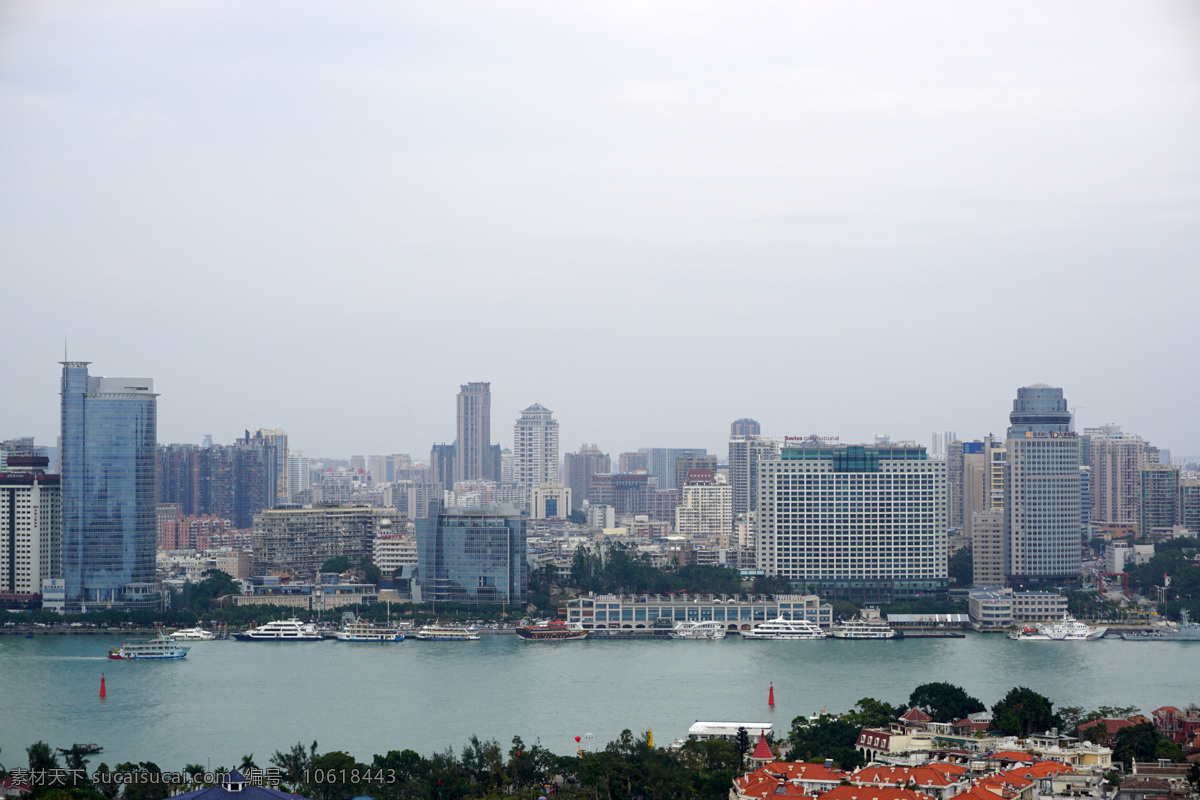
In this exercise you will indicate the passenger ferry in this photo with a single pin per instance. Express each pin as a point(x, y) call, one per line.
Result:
point(556, 630)
point(698, 630)
point(859, 628)
point(446, 633)
point(162, 647)
point(286, 630)
point(781, 628)
point(193, 635)
point(358, 630)
point(1067, 629)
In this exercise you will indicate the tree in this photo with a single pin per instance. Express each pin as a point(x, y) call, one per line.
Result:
point(871, 713)
point(294, 763)
point(1024, 711)
point(742, 744)
point(944, 702)
point(143, 781)
point(336, 564)
point(578, 517)
point(825, 738)
point(961, 567)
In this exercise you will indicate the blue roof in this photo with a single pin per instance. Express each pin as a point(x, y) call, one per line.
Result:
point(249, 792)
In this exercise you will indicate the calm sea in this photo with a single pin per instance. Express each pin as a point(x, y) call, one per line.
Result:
point(230, 698)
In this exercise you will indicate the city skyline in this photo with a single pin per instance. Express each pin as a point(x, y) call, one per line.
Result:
point(852, 197)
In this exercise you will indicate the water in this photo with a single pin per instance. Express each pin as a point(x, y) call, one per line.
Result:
point(229, 698)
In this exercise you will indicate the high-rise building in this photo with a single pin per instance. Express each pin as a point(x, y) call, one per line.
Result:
point(508, 470)
point(941, 443)
point(987, 547)
point(108, 461)
point(229, 481)
point(473, 556)
point(630, 463)
point(30, 525)
point(866, 523)
point(277, 438)
point(1042, 497)
point(548, 500)
point(1189, 504)
point(1116, 461)
point(685, 464)
point(578, 469)
point(705, 508)
point(442, 466)
point(1160, 507)
point(745, 454)
point(660, 462)
point(634, 494)
point(299, 540)
point(299, 478)
point(745, 427)
point(535, 447)
point(966, 488)
point(474, 460)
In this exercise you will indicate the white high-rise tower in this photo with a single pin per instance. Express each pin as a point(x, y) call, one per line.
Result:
point(535, 447)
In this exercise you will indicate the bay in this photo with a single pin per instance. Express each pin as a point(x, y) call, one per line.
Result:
point(228, 698)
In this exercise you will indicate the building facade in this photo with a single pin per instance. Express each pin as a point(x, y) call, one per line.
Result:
point(1160, 506)
point(578, 470)
point(297, 541)
point(535, 447)
point(109, 489)
point(745, 454)
point(474, 460)
point(705, 510)
point(1042, 496)
point(865, 523)
point(745, 427)
point(30, 526)
point(643, 611)
point(473, 556)
point(1116, 460)
point(549, 500)
point(660, 462)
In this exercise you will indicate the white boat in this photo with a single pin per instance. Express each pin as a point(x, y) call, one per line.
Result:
point(699, 630)
point(361, 631)
point(859, 628)
point(785, 629)
point(446, 633)
point(286, 630)
point(158, 648)
point(1067, 629)
point(193, 635)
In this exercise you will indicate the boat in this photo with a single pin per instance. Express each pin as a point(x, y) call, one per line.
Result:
point(1187, 631)
point(193, 635)
point(446, 633)
point(699, 630)
point(781, 628)
point(556, 630)
point(284, 630)
point(1067, 629)
point(88, 749)
point(158, 648)
point(859, 628)
point(358, 630)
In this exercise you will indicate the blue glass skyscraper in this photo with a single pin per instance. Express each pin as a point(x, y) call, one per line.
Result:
point(472, 555)
point(108, 462)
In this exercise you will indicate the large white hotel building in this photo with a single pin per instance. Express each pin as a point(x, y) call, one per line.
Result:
point(865, 523)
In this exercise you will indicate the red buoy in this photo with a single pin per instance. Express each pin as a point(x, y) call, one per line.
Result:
point(771, 696)
point(103, 693)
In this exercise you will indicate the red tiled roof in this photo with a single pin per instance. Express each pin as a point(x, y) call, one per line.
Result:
point(1041, 769)
point(915, 715)
point(873, 793)
point(940, 775)
point(786, 778)
point(763, 750)
point(980, 792)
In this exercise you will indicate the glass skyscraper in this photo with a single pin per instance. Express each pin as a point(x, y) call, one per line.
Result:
point(473, 555)
point(108, 463)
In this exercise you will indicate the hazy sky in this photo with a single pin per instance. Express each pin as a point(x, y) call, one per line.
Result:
point(652, 218)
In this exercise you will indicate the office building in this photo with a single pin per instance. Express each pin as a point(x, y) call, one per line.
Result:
point(1116, 460)
point(745, 454)
point(549, 500)
point(866, 523)
point(442, 466)
point(1042, 496)
point(1160, 505)
point(660, 462)
point(108, 462)
point(535, 447)
point(30, 526)
point(297, 541)
point(579, 469)
point(473, 556)
point(474, 459)
point(705, 508)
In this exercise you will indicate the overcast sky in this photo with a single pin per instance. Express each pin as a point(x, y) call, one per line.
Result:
point(653, 218)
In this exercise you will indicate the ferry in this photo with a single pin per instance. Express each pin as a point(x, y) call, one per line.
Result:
point(1187, 631)
point(446, 633)
point(357, 630)
point(781, 628)
point(287, 630)
point(556, 630)
point(859, 628)
point(159, 648)
point(193, 635)
point(1067, 629)
point(698, 630)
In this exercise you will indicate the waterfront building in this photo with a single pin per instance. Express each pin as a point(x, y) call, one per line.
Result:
point(535, 447)
point(473, 556)
point(393, 551)
point(578, 470)
point(108, 462)
point(550, 500)
point(987, 548)
point(660, 462)
point(866, 523)
point(999, 607)
point(745, 454)
point(745, 427)
point(321, 595)
point(298, 541)
point(1159, 507)
point(474, 459)
point(1041, 508)
point(1116, 460)
point(706, 508)
point(642, 611)
point(30, 526)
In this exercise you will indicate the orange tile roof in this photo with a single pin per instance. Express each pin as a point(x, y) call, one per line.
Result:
point(940, 775)
point(763, 750)
point(873, 793)
point(1041, 769)
point(785, 777)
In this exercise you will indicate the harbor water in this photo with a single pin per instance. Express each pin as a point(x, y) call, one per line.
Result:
point(227, 699)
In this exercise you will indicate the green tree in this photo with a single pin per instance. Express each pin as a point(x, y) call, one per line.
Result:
point(144, 781)
point(1024, 711)
point(871, 713)
point(1136, 742)
point(944, 702)
point(578, 517)
point(294, 763)
point(825, 738)
point(336, 564)
point(961, 567)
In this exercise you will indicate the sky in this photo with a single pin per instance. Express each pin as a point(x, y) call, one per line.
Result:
point(652, 218)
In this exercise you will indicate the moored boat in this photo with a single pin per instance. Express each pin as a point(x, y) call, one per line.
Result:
point(159, 648)
point(285, 630)
point(780, 628)
point(362, 631)
point(698, 630)
point(859, 628)
point(446, 633)
point(556, 630)
point(1067, 629)
point(1187, 631)
point(193, 635)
